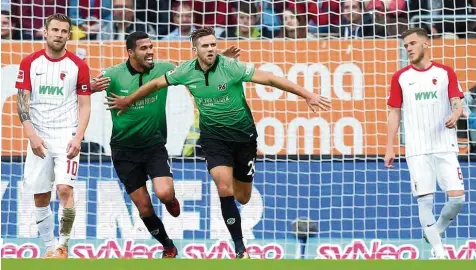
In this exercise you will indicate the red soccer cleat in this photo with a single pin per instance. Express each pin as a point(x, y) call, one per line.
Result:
point(169, 253)
point(173, 208)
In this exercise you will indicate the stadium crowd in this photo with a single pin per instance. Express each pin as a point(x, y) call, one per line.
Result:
point(293, 19)
point(249, 19)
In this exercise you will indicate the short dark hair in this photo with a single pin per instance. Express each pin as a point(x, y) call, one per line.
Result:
point(133, 38)
point(58, 17)
point(202, 32)
point(248, 8)
point(419, 31)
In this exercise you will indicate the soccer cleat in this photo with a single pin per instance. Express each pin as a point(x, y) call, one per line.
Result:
point(242, 255)
point(49, 254)
point(61, 253)
point(170, 253)
point(173, 208)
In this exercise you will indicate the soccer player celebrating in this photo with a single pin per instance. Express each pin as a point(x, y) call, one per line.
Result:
point(54, 105)
point(431, 98)
point(139, 136)
point(228, 132)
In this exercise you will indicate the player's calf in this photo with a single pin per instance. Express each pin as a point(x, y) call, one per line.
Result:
point(45, 222)
point(456, 200)
point(427, 221)
point(242, 191)
point(65, 193)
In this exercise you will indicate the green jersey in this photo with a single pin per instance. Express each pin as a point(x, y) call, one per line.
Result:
point(220, 98)
point(144, 124)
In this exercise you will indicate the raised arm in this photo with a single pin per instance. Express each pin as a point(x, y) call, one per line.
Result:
point(121, 103)
point(267, 78)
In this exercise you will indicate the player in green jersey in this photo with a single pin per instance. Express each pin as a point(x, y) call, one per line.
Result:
point(228, 133)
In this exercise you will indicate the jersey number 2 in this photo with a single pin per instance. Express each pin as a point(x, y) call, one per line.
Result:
point(72, 167)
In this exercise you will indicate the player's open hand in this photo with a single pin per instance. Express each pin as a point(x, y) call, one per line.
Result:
point(38, 146)
point(116, 102)
point(73, 148)
point(315, 101)
point(233, 52)
point(99, 83)
point(389, 158)
point(451, 121)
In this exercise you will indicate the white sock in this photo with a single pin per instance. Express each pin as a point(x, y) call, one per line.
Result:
point(449, 212)
point(427, 221)
point(44, 220)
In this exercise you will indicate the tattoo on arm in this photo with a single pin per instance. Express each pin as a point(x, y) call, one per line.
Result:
point(23, 105)
point(455, 104)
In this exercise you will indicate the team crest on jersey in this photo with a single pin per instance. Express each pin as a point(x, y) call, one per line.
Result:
point(435, 81)
point(222, 87)
point(21, 76)
point(63, 75)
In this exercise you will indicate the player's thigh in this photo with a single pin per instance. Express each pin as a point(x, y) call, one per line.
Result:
point(244, 156)
point(38, 174)
point(422, 174)
point(448, 171)
point(66, 170)
point(129, 169)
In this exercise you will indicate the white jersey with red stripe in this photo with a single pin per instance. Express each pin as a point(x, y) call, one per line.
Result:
point(55, 85)
point(424, 96)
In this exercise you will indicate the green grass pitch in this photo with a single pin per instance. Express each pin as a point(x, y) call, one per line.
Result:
point(141, 264)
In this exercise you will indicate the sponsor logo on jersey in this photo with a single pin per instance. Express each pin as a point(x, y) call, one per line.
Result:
point(21, 76)
point(222, 87)
point(428, 95)
point(51, 90)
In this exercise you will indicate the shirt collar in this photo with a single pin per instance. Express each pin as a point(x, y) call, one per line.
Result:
point(132, 69)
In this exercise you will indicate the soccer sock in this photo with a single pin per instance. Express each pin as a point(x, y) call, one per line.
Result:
point(232, 218)
point(157, 230)
point(449, 212)
point(427, 220)
point(66, 224)
point(44, 220)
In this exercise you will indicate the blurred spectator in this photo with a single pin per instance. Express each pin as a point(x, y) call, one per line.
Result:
point(32, 14)
point(356, 23)
point(321, 13)
point(125, 22)
point(214, 13)
point(182, 19)
point(295, 24)
point(271, 19)
point(6, 5)
point(90, 17)
point(9, 27)
point(152, 12)
point(390, 19)
point(247, 18)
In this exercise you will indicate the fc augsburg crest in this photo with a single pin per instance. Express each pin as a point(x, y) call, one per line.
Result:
point(222, 87)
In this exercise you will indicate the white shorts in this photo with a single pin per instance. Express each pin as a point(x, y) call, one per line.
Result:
point(40, 175)
point(427, 170)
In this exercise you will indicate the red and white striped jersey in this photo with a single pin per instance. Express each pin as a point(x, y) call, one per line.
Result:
point(55, 85)
point(425, 96)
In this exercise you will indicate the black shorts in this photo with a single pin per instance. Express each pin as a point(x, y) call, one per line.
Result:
point(134, 167)
point(239, 155)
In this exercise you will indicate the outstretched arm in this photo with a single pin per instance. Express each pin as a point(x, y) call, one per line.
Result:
point(121, 103)
point(267, 78)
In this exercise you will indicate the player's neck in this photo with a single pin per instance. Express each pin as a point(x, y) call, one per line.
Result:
point(55, 55)
point(204, 66)
point(136, 66)
point(423, 64)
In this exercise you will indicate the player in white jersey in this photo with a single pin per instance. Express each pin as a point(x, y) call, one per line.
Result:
point(431, 99)
point(54, 106)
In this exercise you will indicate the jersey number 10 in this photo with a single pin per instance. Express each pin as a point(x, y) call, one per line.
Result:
point(72, 167)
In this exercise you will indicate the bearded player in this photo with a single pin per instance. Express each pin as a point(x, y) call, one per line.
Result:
point(54, 105)
point(430, 96)
point(139, 136)
point(227, 128)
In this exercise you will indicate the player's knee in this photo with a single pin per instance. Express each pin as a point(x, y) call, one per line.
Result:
point(42, 199)
point(165, 193)
point(145, 209)
point(224, 189)
point(65, 194)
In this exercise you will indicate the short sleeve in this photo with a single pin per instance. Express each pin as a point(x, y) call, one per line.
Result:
point(176, 75)
point(23, 78)
point(83, 84)
point(454, 87)
point(396, 98)
point(243, 71)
